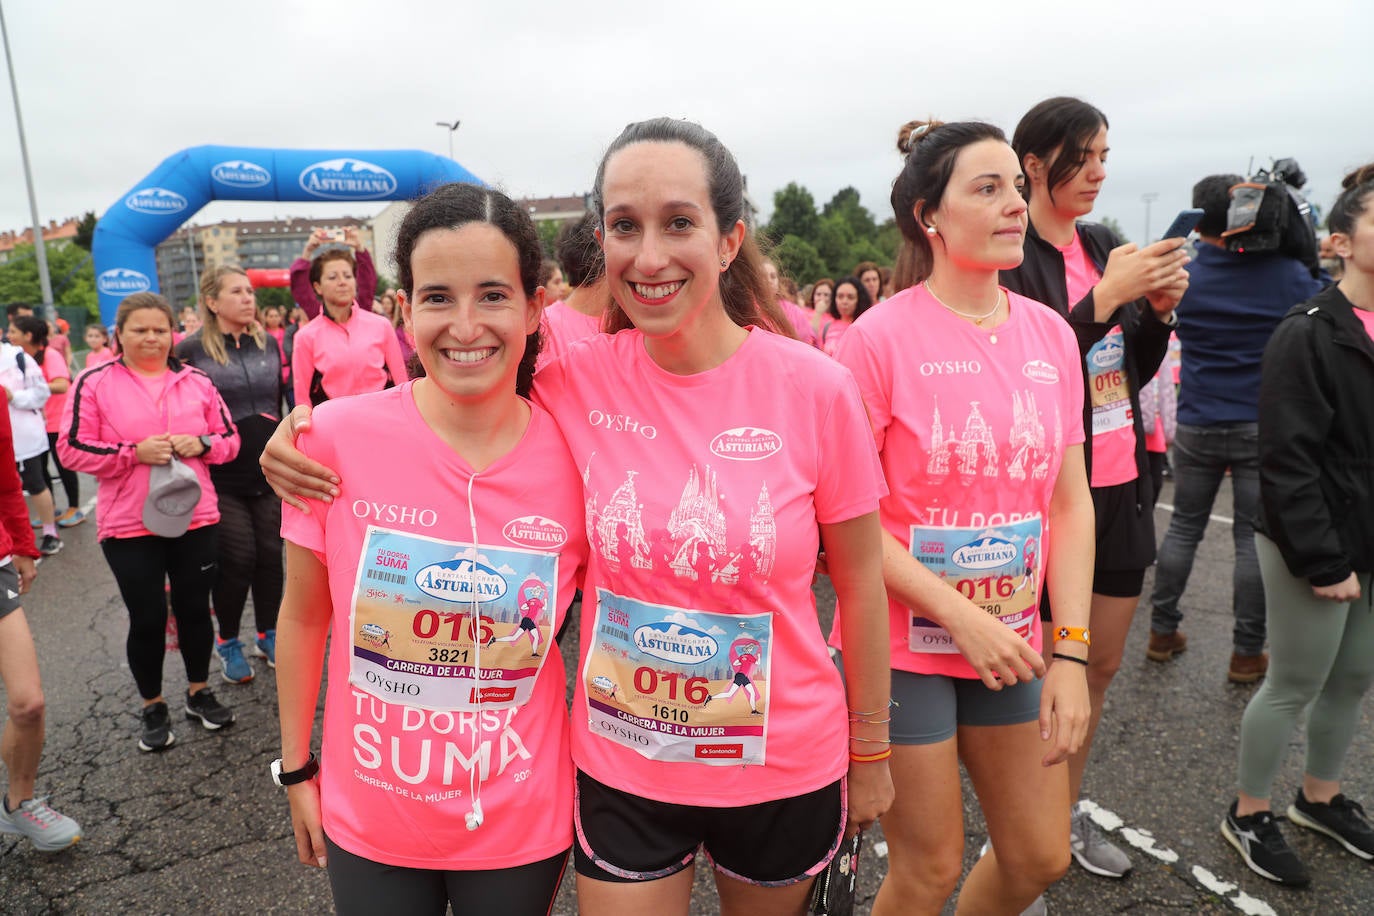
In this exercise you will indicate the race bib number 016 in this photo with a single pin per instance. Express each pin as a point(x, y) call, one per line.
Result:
point(995, 568)
point(679, 685)
point(1107, 384)
point(439, 625)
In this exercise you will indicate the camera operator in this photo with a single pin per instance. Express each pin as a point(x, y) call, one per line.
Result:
point(1233, 303)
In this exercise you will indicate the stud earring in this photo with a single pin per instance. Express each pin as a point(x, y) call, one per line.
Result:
point(930, 230)
point(724, 263)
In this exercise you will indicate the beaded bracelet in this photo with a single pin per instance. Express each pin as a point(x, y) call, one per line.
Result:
point(1069, 658)
point(870, 758)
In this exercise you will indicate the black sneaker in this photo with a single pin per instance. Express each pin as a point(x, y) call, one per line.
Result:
point(157, 729)
point(211, 713)
point(1341, 819)
point(1259, 842)
point(50, 545)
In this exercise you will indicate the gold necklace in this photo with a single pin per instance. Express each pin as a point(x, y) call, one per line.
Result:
point(976, 319)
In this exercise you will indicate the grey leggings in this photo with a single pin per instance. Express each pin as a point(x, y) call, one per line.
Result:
point(1322, 657)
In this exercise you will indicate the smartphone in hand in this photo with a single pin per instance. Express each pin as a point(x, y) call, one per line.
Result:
point(1184, 223)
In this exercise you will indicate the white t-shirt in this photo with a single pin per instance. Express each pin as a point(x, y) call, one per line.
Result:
point(29, 392)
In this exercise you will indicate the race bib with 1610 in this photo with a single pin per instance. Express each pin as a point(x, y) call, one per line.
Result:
point(421, 606)
point(1107, 384)
point(679, 685)
point(996, 568)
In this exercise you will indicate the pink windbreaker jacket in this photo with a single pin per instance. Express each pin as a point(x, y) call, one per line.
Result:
point(109, 411)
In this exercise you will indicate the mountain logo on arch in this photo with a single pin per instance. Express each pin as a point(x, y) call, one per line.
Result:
point(240, 173)
point(155, 201)
point(347, 179)
point(121, 281)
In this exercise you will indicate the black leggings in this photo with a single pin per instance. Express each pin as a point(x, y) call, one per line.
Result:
point(68, 477)
point(364, 887)
point(142, 566)
point(250, 556)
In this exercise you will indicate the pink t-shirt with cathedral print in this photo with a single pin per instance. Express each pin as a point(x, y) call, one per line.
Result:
point(971, 425)
point(705, 678)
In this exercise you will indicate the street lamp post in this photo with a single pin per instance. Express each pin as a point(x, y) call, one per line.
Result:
point(1149, 197)
point(452, 126)
point(39, 246)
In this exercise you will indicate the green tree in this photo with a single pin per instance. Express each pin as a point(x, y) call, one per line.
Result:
point(794, 214)
point(278, 296)
point(833, 241)
point(845, 204)
point(799, 259)
point(1116, 228)
point(70, 271)
point(85, 230)
point(548, 234)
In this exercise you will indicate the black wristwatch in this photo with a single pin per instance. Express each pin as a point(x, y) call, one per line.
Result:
point(312, 766)
point(205, 444)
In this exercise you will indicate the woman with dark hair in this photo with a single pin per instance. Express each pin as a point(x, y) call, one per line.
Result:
point(244, 363)
point(818, 304)
point(348, 349)
point(303, 280)
point(701, 430)
point(148, 427)
point(871, 277)
point(974, 397)
point(1119, 300)
point(30, 334)
point(1315, 540)
point(850, 300)
point(449, 552)
point(577, 315)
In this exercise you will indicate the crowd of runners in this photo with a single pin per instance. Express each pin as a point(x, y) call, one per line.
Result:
point(969, 443)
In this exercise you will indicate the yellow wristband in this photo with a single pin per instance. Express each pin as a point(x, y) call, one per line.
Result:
point(870, 758)
point(1073, 634)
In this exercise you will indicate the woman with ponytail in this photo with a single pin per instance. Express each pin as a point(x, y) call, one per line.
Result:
point(974, 395)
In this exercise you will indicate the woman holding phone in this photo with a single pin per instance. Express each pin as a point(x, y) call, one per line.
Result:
point(1119, 299)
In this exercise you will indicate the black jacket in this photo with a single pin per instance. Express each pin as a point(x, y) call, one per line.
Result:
point(1316, 441)
point(1146, 341)
point(251, 386)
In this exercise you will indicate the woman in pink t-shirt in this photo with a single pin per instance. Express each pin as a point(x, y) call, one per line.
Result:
point(98, 340)
point(439, 577)
point(1119, 300)
point(704, 461)
point(850, 300)
point(973, 394)
point(818, 304)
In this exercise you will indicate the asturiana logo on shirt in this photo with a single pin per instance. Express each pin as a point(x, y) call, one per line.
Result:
point(239, 173)
point(672, 642)
point(535, 531)
point(156, 201)
point(347, 179)
point(121, 281)
point(987, 552)
point(746, 443)
point(460, 580)
point(1037, 370)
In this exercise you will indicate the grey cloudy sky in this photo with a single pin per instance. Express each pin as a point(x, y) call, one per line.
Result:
point(800, 91)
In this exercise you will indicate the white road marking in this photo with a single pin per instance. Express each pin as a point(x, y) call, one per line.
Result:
point(1145, 841)
point(880, 849)
point(1216, 518)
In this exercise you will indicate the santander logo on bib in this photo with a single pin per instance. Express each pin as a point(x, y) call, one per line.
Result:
point(1037, 370)
point(746, 443)
point(535, 531)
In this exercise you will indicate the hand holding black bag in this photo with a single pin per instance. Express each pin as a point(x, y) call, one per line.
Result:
point(835, 887)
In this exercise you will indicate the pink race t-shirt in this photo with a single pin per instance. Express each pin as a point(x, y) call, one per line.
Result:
point(355, 357)
point(1080, 273)
point(95, 358)
point(1366, 319)
point(54, 366)
point(705, 679)
point(400, 716)
point(832, 333)
point(563, 326)
point(801, 322)
point(971, 426)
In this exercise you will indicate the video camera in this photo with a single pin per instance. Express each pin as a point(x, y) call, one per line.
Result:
point(1269, 213)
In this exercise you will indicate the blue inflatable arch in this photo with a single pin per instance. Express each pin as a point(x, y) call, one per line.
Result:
point(128, 233)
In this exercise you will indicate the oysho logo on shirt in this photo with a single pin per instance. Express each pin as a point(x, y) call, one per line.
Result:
point(1037, 370)
point(952, 367)
point(535, 531)
point(239, 173)
point(121, 281)
point(156, 201)
point(395, 514)
point(347, 179)
point(746, 443)
point(985, 553)
point(620, 423)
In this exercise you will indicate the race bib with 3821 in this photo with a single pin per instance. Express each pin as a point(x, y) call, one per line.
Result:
point(441, 625)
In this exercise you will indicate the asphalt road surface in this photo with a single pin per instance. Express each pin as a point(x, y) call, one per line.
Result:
point(201, 828)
